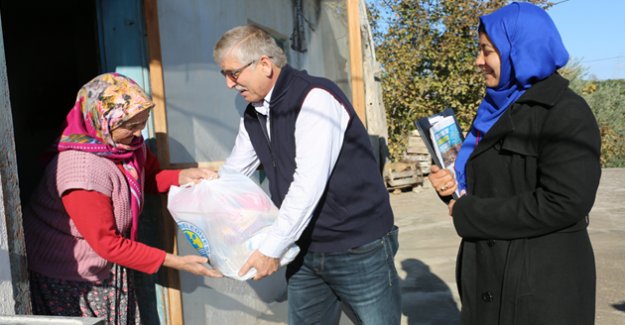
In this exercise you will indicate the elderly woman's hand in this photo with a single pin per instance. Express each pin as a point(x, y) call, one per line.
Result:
point(442, 180)
point(195, 175)
point(194, 264)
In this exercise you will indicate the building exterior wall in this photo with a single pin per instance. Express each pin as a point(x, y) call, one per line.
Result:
point(203, 118)
point(202, 114)
point(14, 294)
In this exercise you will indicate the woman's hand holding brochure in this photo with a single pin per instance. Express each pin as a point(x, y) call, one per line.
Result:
point(442, 180)
point(443, 138)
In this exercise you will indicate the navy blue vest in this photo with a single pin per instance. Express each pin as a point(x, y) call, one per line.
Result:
point(355, 207)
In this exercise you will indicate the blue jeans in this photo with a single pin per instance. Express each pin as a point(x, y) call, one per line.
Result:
point(363, 278)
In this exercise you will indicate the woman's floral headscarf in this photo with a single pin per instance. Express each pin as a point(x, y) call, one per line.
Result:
point(102, 105)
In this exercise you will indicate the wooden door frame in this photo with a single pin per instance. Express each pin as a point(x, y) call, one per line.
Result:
point(157, 86)
point(356, 75)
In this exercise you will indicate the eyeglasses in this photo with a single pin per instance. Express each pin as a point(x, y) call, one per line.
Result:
point(234, 74)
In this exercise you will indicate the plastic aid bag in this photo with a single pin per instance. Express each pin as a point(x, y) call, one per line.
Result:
point(225, 220)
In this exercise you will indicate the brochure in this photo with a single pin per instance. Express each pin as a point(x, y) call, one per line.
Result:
point(443, 138)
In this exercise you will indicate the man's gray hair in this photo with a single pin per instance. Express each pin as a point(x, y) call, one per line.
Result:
point(248, 43)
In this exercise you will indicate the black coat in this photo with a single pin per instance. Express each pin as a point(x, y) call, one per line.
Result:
point(525, 256)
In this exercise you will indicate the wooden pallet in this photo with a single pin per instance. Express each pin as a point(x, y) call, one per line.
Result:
point(417, 153)
point(401, 175)
point(424, 161)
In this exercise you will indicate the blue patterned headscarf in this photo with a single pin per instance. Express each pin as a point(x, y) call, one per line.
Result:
point(530, 50)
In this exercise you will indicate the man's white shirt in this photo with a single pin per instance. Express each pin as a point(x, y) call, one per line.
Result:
point(319, 132)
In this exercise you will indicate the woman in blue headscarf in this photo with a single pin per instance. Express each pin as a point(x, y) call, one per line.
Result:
point(529, 170)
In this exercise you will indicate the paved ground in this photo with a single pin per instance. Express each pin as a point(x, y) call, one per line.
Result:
point(428, 247)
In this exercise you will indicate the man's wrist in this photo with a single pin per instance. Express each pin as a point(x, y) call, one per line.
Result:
point(273, 247)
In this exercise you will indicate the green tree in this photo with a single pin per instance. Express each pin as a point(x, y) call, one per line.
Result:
point(427, 50)
point(606, 99)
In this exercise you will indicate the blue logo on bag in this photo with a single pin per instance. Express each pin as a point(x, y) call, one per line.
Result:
point(196, 237)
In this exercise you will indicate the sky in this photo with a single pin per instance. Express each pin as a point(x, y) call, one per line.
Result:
point(593, 32)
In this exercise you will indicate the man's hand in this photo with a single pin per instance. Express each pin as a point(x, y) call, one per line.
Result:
point(264, 265)
point(195, 175)
point(191, 263)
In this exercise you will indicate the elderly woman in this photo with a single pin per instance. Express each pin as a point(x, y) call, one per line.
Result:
point(529, 170)
point(81, 223)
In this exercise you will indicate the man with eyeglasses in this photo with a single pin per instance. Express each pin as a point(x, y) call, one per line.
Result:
point(324, 178)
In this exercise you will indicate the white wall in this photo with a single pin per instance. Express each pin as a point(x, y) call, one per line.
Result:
point(202, 112)
point(7, 304)
point(203, 116)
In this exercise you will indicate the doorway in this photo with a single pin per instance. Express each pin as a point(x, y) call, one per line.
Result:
point(51, 50)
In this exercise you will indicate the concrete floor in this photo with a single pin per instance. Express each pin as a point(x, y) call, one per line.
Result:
point(428, 247)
